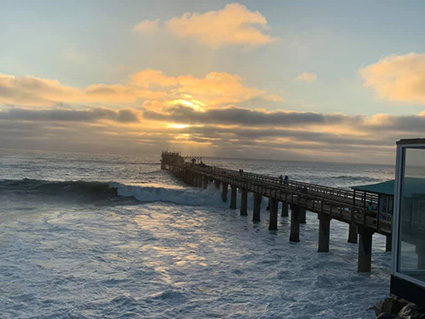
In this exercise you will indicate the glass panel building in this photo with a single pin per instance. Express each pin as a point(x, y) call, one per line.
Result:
point(408, 268)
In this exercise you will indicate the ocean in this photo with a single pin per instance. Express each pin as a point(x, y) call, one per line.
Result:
point(109, 236)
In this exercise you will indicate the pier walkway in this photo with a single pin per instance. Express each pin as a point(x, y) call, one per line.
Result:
point(349, 206)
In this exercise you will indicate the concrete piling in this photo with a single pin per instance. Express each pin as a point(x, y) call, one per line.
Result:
point(302, 216)
point(185, 176)
point(352, 233)
point(324, 231)
point(365, 249)
point(285, 209)
point(205, 185)
point(217, 184)
point(244, 202)
point(257, 207)
point(224, 192)
point(233, 197)
point(295, 224)
point(273, 214)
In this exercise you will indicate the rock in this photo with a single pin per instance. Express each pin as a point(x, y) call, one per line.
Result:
point(412, 311)
point(391, 305)
point(386, 315)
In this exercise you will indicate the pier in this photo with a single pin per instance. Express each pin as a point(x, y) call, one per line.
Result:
point(349, 206)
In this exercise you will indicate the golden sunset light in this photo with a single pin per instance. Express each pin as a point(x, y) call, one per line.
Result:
point(190, 159)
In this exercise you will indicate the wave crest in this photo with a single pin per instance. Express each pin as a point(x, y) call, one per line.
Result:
point(88, 192)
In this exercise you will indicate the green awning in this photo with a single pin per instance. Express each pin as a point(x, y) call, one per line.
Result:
point(384, 188)
point(413, 187)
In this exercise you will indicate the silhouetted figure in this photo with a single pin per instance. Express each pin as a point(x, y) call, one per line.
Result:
point(281, 179)
point(286, 179)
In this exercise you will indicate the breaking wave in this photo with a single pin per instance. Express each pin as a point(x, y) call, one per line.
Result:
point(182, 196)
point(42, 189)
point(87, 191)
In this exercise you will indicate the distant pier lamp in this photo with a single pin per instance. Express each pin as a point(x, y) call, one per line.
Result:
point(408, 259)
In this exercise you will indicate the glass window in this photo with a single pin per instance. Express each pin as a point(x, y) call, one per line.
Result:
point(412, 215)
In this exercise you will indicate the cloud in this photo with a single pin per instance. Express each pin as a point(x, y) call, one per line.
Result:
point(150, 78)
point(230, 131)
point(150, 87)
point(69, 115)
point(233, 25)
point(29, 90)
point(306, 77)
point(203, 115)
point(247, 117)
point(397, 77)
point(147, 27)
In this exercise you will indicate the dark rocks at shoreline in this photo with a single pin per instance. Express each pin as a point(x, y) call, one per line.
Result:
point(398, 308)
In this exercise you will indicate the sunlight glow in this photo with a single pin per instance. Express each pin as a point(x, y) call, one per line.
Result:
point(181, 126)
point(195, 104)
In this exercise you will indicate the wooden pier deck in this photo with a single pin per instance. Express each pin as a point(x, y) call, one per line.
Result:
point(351, 207)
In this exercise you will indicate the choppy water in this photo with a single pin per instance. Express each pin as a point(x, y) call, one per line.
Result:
point(132, 242)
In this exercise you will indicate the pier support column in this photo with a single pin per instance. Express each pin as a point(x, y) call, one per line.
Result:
point(257, 207)
point(352, 233)
point(365, 249)
point(205, 185)
point(302, 216)
point(324, 231)
point(273, 214)
point(189, 178)
point(217, 184)
point(233, 197)
point(295, 224)
point(285, 209)
point(224, 192)
point(244, 202)
point(388, 242)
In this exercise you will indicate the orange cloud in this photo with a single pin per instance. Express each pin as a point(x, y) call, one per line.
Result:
point(216, 88)
point(147, 26)
point(149, 87)
point(234, 24)
point(150, 78)
point(398, 77)
point(115, 93)
point(31, 91)
point(306, 77)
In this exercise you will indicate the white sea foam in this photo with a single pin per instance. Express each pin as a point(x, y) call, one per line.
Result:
point(177, 252)
point(191, 196)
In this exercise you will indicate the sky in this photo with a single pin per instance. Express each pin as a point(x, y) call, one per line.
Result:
point(337, 81)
